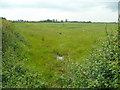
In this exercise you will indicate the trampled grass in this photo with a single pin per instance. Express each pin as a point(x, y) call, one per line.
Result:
point(69, 40)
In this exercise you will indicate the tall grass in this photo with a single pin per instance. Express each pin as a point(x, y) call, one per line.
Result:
point(100, 69)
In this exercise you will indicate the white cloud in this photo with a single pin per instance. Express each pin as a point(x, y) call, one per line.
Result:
point(94, 10)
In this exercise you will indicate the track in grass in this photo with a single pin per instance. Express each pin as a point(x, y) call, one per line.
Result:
point(51, 40)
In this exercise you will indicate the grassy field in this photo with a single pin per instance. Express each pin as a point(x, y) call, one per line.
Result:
point(68, 40)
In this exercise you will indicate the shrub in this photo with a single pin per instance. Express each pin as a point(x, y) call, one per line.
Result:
point(101, 68)
point(14, 53)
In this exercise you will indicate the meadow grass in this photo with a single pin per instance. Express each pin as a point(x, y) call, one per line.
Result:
point(69, 40)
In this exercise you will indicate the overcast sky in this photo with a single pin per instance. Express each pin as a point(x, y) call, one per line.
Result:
point(80, 10)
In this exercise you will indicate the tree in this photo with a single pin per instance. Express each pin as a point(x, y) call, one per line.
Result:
point(61, 20)
point(66, 20)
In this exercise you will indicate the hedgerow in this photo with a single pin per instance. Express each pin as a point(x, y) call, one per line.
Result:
point(101, 68)
point(14, 53)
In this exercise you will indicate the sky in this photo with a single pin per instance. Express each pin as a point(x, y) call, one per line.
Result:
point(73, 10)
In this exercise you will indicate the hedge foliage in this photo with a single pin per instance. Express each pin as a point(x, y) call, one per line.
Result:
point(101, 68)
point(15, 52)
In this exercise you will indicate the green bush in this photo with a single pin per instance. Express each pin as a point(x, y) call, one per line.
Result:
point(101, 68)
point(14, 53)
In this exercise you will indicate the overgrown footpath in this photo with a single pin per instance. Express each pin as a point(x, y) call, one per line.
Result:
point(101, 69)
